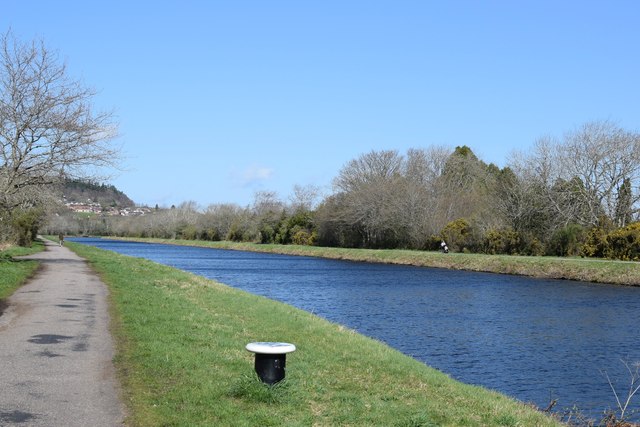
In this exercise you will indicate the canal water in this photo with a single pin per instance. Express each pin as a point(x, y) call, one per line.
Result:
point(535, 340)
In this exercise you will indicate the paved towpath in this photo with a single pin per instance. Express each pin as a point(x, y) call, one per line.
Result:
point(55, 348)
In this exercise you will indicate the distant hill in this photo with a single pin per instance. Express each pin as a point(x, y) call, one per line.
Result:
point(107, 196)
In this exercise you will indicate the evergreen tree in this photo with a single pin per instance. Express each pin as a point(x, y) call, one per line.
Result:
point(624, 204)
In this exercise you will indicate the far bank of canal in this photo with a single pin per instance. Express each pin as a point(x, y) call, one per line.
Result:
point(535, 340)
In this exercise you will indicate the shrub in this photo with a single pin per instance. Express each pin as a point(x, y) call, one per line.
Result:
point(283, 236)
point(211, 234)
point(303, 237)
point(458, 235)
point(492, 242)
point(567, 241)
point(267, 234)
point(502, 241)
point(596, 243)
point(236, 234)
point(188, 232)
point(531, 245)
point(431, 243)
point(624, 243)
point(25, 225)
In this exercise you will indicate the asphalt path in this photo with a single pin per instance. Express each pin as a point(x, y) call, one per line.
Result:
point(56, 350)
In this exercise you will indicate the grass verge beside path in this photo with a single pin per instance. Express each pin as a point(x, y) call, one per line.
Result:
point(181, 358)
point(583, 269)
point(13, 273)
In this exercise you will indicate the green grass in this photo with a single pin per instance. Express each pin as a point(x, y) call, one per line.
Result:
point(584, 269)
point(181, 359)
point(13, 273)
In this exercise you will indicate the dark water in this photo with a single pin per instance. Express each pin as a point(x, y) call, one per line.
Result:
point(532, 339)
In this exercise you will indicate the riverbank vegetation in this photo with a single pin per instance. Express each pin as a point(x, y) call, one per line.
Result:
point(14, 273)
point(182, 361)
point(588, 270)
point(575, 196)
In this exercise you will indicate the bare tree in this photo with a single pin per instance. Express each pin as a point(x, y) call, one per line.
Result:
point(602, 156)
point(304, 198)
point(268, 211)
point(425, 165)
point(48, 127)
point(526, 198)
point(368, 188)
point(267, 204)
point(417, 208)
point(593, 172)
point(219, 218)
point(375, 166)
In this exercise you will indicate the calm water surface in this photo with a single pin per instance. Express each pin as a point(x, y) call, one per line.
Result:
point(532, 339)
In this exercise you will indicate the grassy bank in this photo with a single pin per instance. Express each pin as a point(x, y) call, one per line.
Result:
point(584, 269)
point(181, 358)
point(14, 273)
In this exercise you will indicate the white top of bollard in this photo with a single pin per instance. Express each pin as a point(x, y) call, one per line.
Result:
point(271, 347)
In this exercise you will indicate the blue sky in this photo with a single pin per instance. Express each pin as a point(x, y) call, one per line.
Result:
point(219, 99)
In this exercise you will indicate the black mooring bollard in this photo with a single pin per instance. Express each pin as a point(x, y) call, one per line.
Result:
point(270, 360)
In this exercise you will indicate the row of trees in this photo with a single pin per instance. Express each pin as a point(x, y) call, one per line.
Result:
point(546, 201)
point(578, 195)
point(267, 220)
